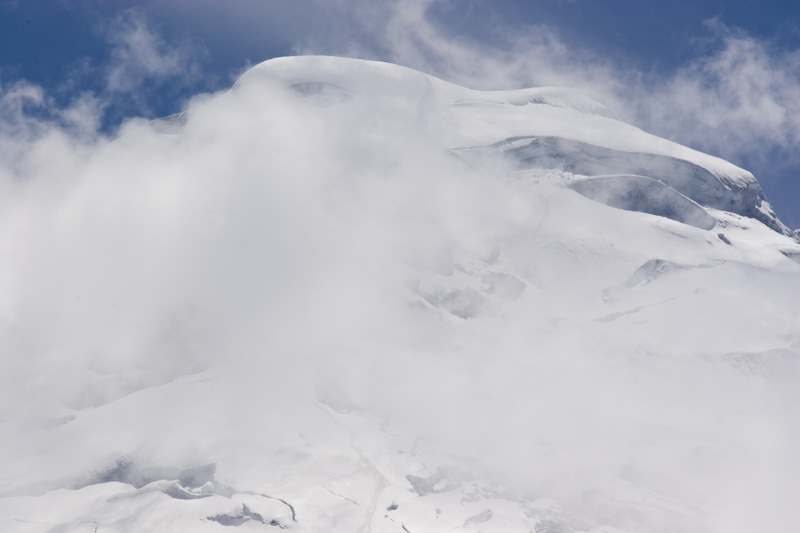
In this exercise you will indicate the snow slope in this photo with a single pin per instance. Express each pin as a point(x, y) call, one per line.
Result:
point(348, 296)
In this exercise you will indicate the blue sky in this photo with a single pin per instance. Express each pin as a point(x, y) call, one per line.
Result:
point(720, 76)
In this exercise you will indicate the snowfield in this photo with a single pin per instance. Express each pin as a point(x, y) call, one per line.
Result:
point(348, 296)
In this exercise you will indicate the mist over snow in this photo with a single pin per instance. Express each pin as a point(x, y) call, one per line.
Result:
point(346, 295)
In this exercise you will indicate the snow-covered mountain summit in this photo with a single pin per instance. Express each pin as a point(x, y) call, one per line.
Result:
point(349, 296)
point(545, 127)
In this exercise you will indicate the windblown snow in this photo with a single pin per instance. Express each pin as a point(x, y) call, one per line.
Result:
point(349, 296)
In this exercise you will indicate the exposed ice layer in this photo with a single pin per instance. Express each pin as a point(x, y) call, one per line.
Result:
point(693, 181)
point(321, 92)
point(794, 255)
point(170, 124)
point(638, 193)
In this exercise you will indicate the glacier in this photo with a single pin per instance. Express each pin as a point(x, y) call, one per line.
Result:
point(345, 295)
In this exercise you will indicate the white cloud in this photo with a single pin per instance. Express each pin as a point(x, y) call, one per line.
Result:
point(140, 57)
point(741, 97)
point(17, 102)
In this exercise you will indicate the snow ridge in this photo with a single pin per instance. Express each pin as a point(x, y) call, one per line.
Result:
point(559, 128)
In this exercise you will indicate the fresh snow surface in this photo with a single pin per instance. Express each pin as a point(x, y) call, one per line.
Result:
point(348, 296)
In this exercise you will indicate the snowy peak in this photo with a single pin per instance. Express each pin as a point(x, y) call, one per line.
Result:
point(348, 296)
point(537, 128)
point(377, 80)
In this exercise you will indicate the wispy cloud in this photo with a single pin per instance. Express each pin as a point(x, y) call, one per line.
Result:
point(140, 57)
point(742, 96)
point(518, 56)
point(17, 102)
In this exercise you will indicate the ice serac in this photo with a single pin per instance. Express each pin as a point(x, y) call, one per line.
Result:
point(736, 193)
point(536, 128)
point(637, 193)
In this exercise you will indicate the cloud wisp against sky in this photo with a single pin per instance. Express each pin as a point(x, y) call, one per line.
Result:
point(139, 57)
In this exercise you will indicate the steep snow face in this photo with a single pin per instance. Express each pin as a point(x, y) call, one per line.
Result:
point(546, 128)
point(347, 296)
